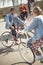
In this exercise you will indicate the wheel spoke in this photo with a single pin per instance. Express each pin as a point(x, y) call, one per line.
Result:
point(7, 39)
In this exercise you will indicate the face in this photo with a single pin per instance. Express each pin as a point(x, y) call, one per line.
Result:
point(12, 12)
point(33, 14)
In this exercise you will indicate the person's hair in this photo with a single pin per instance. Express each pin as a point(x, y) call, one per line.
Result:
point(37, 10)
point(11, 9)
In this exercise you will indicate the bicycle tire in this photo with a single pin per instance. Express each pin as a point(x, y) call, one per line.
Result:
point(22, 53)
point(7, 35)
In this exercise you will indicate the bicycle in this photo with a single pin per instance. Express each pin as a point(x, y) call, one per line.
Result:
point(7, 39)
point(27, 53)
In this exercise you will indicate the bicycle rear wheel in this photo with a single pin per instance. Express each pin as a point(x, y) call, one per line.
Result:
point(26, 53)
point(7, 39)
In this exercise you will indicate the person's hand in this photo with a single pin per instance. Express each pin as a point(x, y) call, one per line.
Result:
point(20, 32)
point(25, 24)
point(12, 27)
point(24, 10)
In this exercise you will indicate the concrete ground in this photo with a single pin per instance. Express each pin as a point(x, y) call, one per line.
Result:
point(11, 56)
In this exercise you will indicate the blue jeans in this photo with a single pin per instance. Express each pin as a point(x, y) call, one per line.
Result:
point(29, 42)
point(13, 31)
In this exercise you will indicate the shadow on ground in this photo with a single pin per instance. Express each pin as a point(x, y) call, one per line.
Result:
point(20, 63)
point(6, 51)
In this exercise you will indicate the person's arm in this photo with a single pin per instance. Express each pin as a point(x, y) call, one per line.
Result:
point(9, 25)
point(19, 20)
point(32, 25)
point(7, 19)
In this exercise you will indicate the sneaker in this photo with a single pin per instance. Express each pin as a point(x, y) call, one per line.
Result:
point(17, 42)
point(38, 57)
point(15, 39)
point(41, 61)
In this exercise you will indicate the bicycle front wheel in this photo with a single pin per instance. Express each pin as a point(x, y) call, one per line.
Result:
point(7, 39)
point(26, 53)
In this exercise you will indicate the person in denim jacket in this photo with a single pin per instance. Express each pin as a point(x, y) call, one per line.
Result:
point(37, 26)
point(11, 22)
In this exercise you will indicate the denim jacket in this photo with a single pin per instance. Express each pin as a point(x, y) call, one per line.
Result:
point(37, 26)
point(12, 19)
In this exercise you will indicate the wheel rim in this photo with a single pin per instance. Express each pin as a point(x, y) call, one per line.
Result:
point(26, 53)
point(7, 39)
